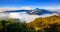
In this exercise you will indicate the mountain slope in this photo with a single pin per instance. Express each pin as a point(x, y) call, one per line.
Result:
point(38, 11)
point(42, 23)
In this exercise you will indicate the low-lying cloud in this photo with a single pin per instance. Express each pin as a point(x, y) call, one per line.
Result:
point(23, 16)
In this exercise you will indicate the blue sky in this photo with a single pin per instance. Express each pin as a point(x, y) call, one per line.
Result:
point(27, 4)
point(30, 3)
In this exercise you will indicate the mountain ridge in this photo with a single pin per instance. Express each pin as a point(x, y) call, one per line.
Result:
point(36, 11)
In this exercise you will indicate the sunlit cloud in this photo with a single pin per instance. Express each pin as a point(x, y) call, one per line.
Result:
point(27, 8)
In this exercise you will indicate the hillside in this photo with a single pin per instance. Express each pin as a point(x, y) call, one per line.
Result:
point(48, 22)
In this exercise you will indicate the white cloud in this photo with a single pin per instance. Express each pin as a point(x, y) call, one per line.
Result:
point(15, 8)
point(47, 15)
point(4, 15)
point(27, 8)
point(28, 18)
point(23, 16)
point(8, 9)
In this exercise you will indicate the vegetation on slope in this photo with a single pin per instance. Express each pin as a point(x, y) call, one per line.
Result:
point(48, 24)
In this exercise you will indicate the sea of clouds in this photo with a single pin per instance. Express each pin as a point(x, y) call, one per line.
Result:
point(23, 16)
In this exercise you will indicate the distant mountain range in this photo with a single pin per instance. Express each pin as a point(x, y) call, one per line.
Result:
point(36, 11)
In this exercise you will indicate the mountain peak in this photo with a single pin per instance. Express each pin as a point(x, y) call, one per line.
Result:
point(38, 11)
